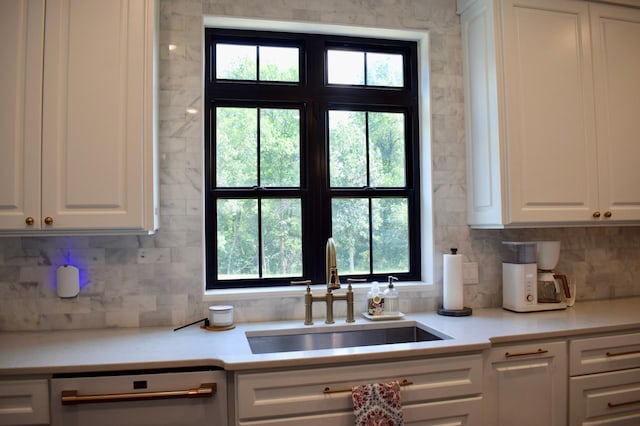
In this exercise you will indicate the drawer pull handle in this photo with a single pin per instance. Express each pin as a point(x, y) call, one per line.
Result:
point(405, 382)
point(622, 404)
point(612, 354)
point(538, 352)
point(71, 397)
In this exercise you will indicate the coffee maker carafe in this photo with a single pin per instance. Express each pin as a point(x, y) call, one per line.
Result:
point(552, 288)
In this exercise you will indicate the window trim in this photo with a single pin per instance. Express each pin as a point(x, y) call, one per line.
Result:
point(425, 196)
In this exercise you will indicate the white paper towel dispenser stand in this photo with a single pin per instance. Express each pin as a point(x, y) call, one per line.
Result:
point(67, 281)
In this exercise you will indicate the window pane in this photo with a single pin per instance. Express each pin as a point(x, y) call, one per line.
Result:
point(350, 229)
point(280, 147)
point(237, 238)
point(390, 221)
point(347, 149)
point(279, 63)
point(235, 61)
point(384, 69)
point(236, 147)
point(281, 238)
point(345, 67)
point(387, 148)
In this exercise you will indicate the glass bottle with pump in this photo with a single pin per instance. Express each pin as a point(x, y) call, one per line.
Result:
point(391, 298)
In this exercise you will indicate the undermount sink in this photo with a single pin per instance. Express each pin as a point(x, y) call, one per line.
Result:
point(273, 341)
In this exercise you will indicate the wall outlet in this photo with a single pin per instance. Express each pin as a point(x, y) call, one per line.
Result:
point(470, 273)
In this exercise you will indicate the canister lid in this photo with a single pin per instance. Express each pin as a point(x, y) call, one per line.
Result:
point(220, 308)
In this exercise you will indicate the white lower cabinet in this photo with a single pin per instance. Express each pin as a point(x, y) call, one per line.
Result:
point(442, 391)
point(24, 402)
point(526, 384)
point(604, 387)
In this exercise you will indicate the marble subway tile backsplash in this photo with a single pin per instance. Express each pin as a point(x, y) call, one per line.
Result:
point(138, 281)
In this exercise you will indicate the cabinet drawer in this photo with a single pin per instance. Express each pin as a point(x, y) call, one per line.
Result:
point(465, 411)
point(605, 398)
point(301, 392)
point(607, 353)
point(24, 402)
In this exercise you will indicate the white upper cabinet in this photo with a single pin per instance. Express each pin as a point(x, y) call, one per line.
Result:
point(93, 166)
point(542, 149)
point(615, 34)
point(21, 29)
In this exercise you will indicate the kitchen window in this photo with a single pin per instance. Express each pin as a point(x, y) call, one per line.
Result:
point(310, 136)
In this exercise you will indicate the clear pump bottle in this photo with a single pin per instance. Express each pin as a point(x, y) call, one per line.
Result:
point(391, 298)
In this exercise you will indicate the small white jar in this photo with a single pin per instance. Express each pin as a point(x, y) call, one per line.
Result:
point(221, 315)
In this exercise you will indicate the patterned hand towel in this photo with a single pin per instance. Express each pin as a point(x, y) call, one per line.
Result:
point(377, 404)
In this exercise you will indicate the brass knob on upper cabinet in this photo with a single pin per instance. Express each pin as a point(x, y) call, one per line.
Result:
point(48, 220)
point(29, 221)
point(596, 214)
point(607, 214)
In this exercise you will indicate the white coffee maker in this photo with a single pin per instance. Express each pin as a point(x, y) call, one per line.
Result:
point(529, 283)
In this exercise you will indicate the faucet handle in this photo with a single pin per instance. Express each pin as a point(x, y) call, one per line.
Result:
point(355, 280)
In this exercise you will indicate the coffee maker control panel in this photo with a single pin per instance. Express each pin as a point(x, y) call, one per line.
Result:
point(531, 287)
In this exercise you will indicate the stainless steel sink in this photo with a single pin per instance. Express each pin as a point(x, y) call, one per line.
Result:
point(272, 341)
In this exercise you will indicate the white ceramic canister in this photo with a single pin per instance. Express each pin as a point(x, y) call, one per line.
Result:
point(221, 315)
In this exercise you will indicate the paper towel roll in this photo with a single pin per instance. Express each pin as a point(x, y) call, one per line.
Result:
point(67, 281)
point(452, 291)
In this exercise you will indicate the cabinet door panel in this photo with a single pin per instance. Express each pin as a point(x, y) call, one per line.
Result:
point(482, 129)
point(616, 57)
point(22, 32)
point(549, 103)
point(528, 386)
point(93, 114)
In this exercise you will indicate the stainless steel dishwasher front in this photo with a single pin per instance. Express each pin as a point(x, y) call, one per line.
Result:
point(185, 398)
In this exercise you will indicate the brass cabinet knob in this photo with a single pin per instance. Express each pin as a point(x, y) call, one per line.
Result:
point(29, 221)
point(48, 220)
point(596, 214)
point(607, 214)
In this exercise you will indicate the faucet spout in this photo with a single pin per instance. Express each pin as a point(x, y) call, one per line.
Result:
point(333, 280)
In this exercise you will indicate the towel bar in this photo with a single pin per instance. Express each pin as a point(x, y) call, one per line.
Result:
point(405, 382)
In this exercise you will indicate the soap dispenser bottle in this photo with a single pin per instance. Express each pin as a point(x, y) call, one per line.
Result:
point(391, 298)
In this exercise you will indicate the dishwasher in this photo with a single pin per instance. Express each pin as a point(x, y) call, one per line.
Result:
point(167, 398)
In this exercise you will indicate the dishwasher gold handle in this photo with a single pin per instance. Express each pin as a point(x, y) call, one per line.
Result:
point(514, 354)
point(71, 397)
point(405, 382)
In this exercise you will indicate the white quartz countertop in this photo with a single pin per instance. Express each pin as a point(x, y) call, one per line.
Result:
point(80, 351)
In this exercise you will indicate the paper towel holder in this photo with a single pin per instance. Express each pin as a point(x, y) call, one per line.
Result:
point(67, 281)
point(465, 311)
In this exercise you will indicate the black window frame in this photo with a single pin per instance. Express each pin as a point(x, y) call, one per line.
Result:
point(315, 98)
